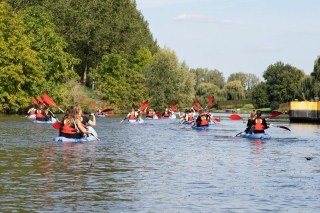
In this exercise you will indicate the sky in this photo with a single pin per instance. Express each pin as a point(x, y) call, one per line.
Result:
point(237, 35)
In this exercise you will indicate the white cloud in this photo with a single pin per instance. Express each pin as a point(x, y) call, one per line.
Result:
point(201, 18)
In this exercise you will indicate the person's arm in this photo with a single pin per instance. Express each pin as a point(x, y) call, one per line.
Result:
point(93, 121)
point(264, 123)
point(81, 128)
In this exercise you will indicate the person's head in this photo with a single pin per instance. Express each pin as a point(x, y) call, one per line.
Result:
point(253, 115)
point(77, 110)
point(259, 114)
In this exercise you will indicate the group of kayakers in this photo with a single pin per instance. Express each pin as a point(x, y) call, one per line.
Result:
point(41, 113)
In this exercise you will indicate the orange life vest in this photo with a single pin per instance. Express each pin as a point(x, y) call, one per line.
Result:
point(166, 114)
point(65, 128)
point(258, 125)
point(39, 114)
point(190, 118)
point(204, 121)
point(32, 112)
point(132, 116)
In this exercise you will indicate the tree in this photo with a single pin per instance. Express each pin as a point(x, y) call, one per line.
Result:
point(208, 76)
point(282, 82)
point(20, 68)
point(166, 78)
point(233, 90)
point(260, 96)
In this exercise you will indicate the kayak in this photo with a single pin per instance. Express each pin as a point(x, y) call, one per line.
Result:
point(31, 116)
point(84, 139)
point(154, 118)
point(201, 127)
point(53, 120)
point(140, 121)
point(170, 117)
point(98, 115)
point(256, 135)
point(186, 122)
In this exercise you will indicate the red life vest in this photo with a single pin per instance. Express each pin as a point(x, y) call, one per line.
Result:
point(132, 116)
point(39, 114)
point(190, 117)
point(65, 128)
point(258, 125)
point(32, 112)
point(166, 114)
point(204, 121)
point(149, 115)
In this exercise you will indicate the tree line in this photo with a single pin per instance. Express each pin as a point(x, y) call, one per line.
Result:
point(107, 45)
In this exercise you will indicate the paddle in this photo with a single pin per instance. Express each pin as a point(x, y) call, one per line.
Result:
point(274, 115)
point(284, 127)
point(211, 99)
point(107, 110)
point(235, 117)
point(34, 101)
point(172, 107)
point(44, 104)
point(57, 126)
point(217, 119)
point(159, 114)
point(48, 100)
point(119, 122)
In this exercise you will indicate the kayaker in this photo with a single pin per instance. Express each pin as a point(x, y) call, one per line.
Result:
point(99, 112)
point(184, 116)
point(85, 120)
point(150, 113)
point(203, 118)
point(260, 124)
point(166, 113)
point(31, 111)
point(253, 116)
point(133, 115)
point(48, 113)
point(40, 114)
point(71, 126)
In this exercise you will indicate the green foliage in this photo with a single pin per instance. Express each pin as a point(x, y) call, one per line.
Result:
point(282, 82)
point(260, 96)
point(168, 81)
point(205, 91)
point(20, 68)
point(208, 76)
point(233, 90)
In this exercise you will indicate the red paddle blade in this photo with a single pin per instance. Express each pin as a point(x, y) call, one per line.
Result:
point(107, 110)
point(40, 99)
point(211, 99)
point(34, 101)
point(274, 115)
point(172, 107)
point(49, 101)
point(213, 106)
point(217, 119)
point(145, 102)
point(235, 117)
point(56, 125)
point(284, 127)
point(109, 114)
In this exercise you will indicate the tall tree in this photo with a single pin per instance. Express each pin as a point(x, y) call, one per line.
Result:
point(260, 96)
point(282, 81)
point(208, 76)
point(233, 90)
point(20, 69)
point(166, 78)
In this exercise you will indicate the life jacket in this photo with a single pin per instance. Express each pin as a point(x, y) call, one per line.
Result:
point(150, 115)
point(132, 116)
point(258, 125)
point(39, 114)
point(204, 121)
point(32, 112)
point(190, 117)
point(65, 128)
point(166, 114)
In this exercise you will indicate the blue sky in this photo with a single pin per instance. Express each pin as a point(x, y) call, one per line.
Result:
point(237, 35)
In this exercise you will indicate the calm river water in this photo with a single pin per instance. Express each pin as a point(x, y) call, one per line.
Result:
point(159, 166)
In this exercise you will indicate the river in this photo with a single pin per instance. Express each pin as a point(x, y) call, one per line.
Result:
point(159, 166)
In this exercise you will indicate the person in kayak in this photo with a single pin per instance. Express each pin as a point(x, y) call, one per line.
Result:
point(166, 113)
point(184, 116)
point(253, 116)
point(40, 114)
point(71, 126)
point(48, 113)
point(133, 115)
point(260, 124)
point(150, 113)
point(31, 111)
point(85, 120)
point(99, 111)
point(202, 119)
